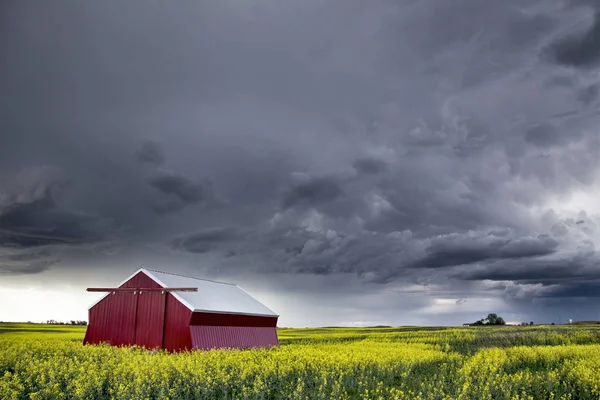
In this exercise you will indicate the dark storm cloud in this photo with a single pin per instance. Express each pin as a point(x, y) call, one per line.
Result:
point(26, 261)
point(34, 267)
point(369, 165)
point(543, 135)
point(179, 191)
point(455, 249)
point(313, 192)
point(582, 50)
point(589, 94)
point(41, 223)
point(33, 226)
point(578, 290)
point(178, 186)
point(151, 152)
point(545, 271)
point(205, 240)
point(418, 143)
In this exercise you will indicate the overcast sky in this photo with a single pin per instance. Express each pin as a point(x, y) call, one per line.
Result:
point(348, 162)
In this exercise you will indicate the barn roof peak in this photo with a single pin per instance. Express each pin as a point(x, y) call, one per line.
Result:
point(186, 276)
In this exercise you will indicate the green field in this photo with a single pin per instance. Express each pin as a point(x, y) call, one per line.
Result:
point(540, 362)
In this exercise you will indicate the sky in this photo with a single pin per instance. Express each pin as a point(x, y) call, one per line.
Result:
point(348, 162)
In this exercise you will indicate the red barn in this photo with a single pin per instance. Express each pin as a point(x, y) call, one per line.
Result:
point(175, 312)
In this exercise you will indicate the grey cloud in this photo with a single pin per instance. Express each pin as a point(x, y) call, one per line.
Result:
point(151, 152)
point(179, 190)
point(342, 138)
point(315, 191)
point(30, 185)
point(30, 217)
point(369, 165)
point(205, 240)
point(384, 258)
point(543, 135)
point(33, 227)
point(455, 249)
point(580, 50)
point(41, 223)
point(17, 261)
point(589, 94)
point(35, 267)
point(545, 271)
point(588, 289)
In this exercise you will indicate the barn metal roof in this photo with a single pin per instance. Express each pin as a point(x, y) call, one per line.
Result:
point(212, 296)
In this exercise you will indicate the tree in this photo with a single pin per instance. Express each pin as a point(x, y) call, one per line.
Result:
point(531, 323)
point(492, 319)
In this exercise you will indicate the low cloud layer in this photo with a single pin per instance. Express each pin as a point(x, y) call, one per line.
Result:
point(442, 150)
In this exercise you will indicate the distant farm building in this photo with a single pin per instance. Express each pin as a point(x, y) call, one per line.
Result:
point(163, 310)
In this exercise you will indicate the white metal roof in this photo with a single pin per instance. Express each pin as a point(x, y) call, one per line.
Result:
point(212, 296)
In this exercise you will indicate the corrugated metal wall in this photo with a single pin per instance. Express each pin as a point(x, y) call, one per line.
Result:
point(127, 318)
point(177, 322)
point(150, 319)
point(141, 280)
point(112, 320)
point(236, 337)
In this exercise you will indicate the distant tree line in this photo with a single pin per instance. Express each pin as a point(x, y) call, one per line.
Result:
point(72, 322)
point(492, 319)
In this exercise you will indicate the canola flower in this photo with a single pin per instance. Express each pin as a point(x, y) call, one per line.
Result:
point(386, 363)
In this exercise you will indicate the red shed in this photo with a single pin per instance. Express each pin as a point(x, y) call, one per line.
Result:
point(176, 312)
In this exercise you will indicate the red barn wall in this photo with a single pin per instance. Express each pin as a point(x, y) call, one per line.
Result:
point(140, 280)
point(150, 319)
point(235, 337)
point(112, 320)
point(213, 330)
point(177, 321)
point(125, 318)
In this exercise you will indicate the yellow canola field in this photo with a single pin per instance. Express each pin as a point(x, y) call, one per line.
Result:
point(49, 362)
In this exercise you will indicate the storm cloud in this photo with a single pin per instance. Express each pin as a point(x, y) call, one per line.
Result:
point(205, 240)
point(580, 50)
point(151, 152)
point(443, 155)
point(451, 250)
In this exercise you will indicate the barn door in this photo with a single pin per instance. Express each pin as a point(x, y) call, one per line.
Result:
point(115, 319)
point(150, 318)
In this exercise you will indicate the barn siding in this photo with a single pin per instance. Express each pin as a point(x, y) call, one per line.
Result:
point(235, 337)
point(177, 321)
point(141, 280)
point(112, 320)
point(150, 319)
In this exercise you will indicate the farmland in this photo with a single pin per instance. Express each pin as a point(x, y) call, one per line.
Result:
point(538, 362)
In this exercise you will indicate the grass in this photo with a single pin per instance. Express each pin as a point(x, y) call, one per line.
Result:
point(537, 362)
